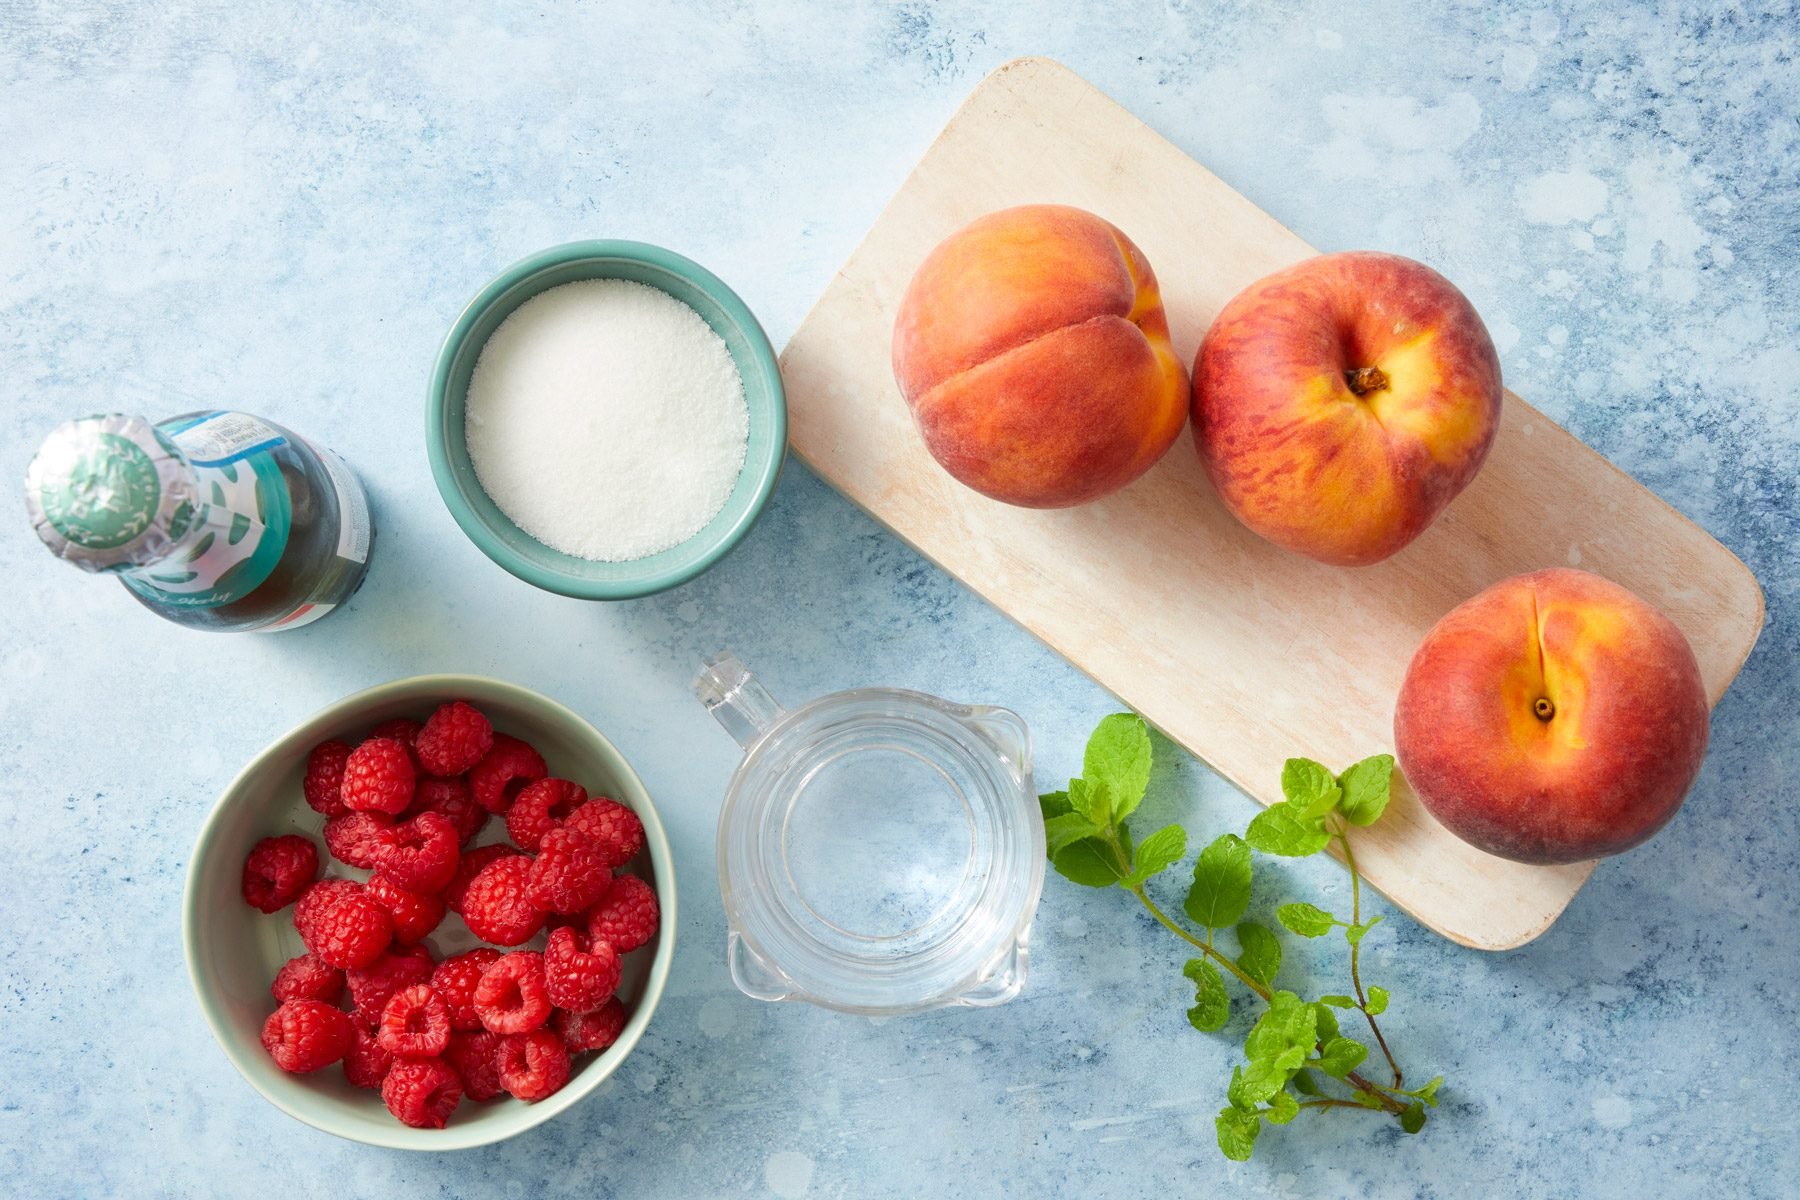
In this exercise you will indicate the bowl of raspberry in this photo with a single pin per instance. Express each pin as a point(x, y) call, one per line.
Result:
point(431, 916)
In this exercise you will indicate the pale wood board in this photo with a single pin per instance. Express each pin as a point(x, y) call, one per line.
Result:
point(1243, 653)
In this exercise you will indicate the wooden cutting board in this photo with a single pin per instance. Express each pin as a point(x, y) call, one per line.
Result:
point(1243, 653)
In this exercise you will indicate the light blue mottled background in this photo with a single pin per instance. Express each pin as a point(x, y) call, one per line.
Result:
point(281, 207)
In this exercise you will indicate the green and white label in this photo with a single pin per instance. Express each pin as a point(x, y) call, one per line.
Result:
point(248, 516)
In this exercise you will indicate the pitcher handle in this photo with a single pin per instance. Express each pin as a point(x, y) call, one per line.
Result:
point(734, 697)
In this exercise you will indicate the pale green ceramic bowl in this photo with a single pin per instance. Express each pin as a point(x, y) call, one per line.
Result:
point(518, 551)
point(233, 951)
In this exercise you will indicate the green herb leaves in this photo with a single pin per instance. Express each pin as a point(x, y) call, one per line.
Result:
point(1084, 827)
point(1296, 1047)
point(1160, 850)
point(1365, 787)
point(1259, 954)
point(1284, 830)
point(1305, 919)
point(1221, 892)
point(1117, 765)
point(1212, 1006)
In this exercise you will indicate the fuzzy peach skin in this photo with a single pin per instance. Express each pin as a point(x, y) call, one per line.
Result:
point(1340, 404)
point(1553, 718)
point(1033, 351)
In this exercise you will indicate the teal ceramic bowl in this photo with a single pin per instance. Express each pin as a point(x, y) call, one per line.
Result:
point(517, 550)
point(233, 951)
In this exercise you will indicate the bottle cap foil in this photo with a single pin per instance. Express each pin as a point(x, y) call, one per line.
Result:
point(110, 492)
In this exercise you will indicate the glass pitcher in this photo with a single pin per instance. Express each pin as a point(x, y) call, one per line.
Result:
point(880, 851)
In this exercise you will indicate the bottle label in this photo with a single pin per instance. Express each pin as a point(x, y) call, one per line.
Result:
point(248, 515)
point(353, 508)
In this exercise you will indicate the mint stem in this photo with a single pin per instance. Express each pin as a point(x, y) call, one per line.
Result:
point(1362, 1000)
point(1359, 1082)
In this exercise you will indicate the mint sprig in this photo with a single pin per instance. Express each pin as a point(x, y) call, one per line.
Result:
point(1295, 1049)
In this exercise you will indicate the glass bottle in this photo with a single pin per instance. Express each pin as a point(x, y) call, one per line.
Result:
point(215, 520)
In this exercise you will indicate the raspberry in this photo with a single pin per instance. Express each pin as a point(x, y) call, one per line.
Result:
point(420, 854)
point(455, 980)
point(627, 915)
point(497, 779)
point(475, 1056)
point(452, 798)
point(414, 915)
point(317, 899)
point(568, 874)
point(415, 1023)
point(404, 730)
point(343, 926)
point(469, 866)
point(278, 870)
point(378, 777)
point(308, 977)
point(454, 739)
point(541, 807)
point(533, 1065)
point(366, 1064)
point(304, 1035)
point(351, 837)
point(580, 973)
point(496, 907)
point(591, 1030)
point(371, 987)
point(510, 997)
point(324, 777)
point(422, 1092)
point(614, 829)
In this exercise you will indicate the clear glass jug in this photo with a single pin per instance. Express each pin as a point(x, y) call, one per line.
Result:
point(880, 851)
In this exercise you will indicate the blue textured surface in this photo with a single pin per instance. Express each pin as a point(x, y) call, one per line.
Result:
point(283, 208)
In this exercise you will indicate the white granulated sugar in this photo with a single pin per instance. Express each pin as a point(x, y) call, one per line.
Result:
point(607, 420)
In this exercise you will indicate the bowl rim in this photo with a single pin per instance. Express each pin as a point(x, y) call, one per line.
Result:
point(482, 534)
point(402, 1137)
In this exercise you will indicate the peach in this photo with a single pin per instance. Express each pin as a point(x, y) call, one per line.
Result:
point(1554, 717)
point(1032, 349)
point(1340, 404)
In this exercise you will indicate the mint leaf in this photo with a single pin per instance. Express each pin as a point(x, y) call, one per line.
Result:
point(1325, 1022)
point(1054, 804)
point(1237, 1133)
point(1087, 863)
point(1305, 919)
point(1221, 891)
point(1366, 789)
point(1254, 1083)
point(1413, 1119)
point(1338, 1001)
point(1281, 829)
point(1303, 1083)
point(1378, 998)
point(1282, 1108)
point(1429, 1092)
point(1366, 1099)
point(1212, 1005)
point(1117, 764)
point(1060, 831)
point(1157, 852)
point(1355, 933)
point(1304, 781)
point(1341, 1055)
point(1259, 953)
point(1090, 801)
point(1287, 1025)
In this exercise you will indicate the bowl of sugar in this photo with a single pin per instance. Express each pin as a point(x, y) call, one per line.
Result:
point(606, 419)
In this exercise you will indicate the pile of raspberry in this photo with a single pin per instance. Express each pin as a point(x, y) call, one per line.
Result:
point(408, 805)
